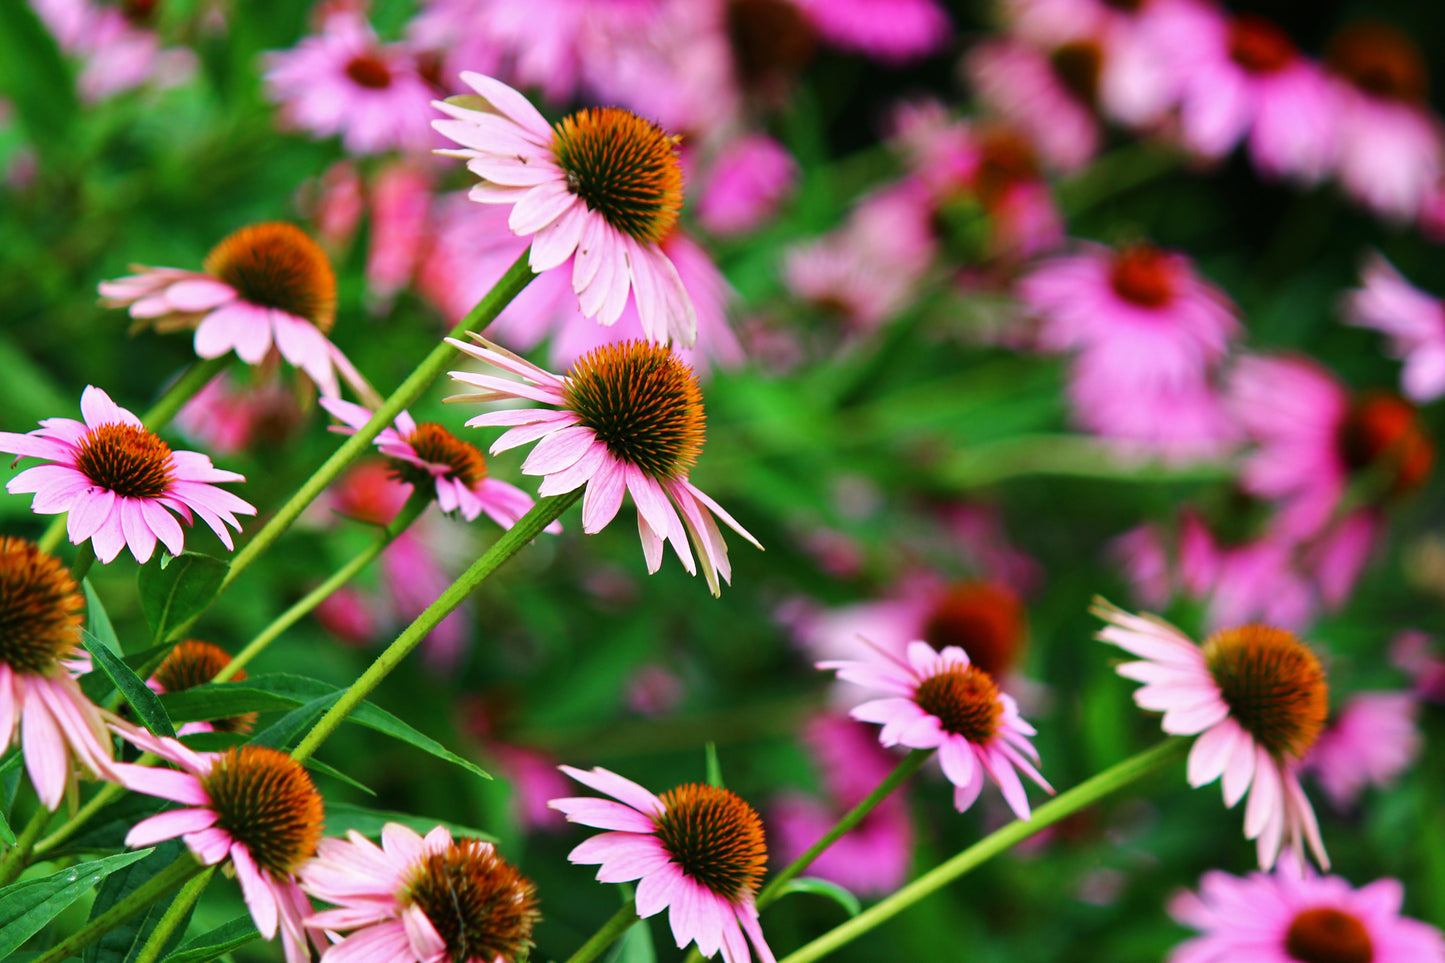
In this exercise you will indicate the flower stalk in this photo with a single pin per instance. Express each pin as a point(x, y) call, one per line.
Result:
point(609, 933)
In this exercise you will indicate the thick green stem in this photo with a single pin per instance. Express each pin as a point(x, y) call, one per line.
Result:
point(16, 856)
point(141, 897)
point(1066, 804)
point(84, 559)
point(902, 771)
point(607, 935)
point(511, 284)
point(109, 792)
point(409, 513)
point(528, 527)
point(175, 915)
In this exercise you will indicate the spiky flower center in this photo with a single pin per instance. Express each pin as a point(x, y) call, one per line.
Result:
point(715, 837)
point(624, 168)
point(1328, 935)
point(643, 403)
point(1258, 45)
point(39, 608)
point(130, 461)
point(369, 71)
point(984, 620)
point(194, 663)
point(1384, 431)
point(1077, 66)
point(265, 801)
point(1380, 60)
point(276, 265)
point(437, 446)
point(964, 700)
point(480, 906)
point(1142, 275)
point(1273, 684)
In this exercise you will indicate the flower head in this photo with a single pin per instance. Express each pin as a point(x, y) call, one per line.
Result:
point(194, 663)
point(1255, 695)
point(265, 287)
point(1288, 915)
point(1413, 320)
point(419, 899)
point(697, 851)
point(426, 454)
point(939, 700)
point(120, 482)
point(629, 418)
point(40, 608)
point(1370, 741)
point(603, 184)
point(253, 804)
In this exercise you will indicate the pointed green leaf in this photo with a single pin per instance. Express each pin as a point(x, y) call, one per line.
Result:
point(122, 942)
point(335, 773)
point(217, 943)
point(341, 817)
point(147, 707)
point(287, 729)
point(714, 768)
point(96, 621)
point(822, 887)
point(175, 590)
point(26, 907)
point(635, 946)
point(36, 78)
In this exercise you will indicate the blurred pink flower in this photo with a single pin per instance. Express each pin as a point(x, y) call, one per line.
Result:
point(697, 851)
point(344, 82)
point(227, 417)
point(873, 857)
point(119, 483)
point(628, 418)
point(1241, 77)
point(1370, 741)
point(938, 700)
point(117, 53)
point(603, 184)
point(1255, 697)
point(1392, 150)
point(1295, 915)
point(893, 31)
point(1414, 320)
point(399, 898)
point(745, 183)
point(401, 203)
point(1047, 96)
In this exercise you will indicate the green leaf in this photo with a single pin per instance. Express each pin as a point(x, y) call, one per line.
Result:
point(822, 887)
point(218, 942)
point(335, 773)
point(175, 590)
point(714, 768)
point(147, 707)
point(124, 941)
point(36, 78)
point(26, 907)
point(287, 729)
point(97, 622)
point(341, 817)
point(635, 946)
point(283, 691)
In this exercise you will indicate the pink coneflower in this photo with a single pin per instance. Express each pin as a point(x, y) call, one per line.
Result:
point(420, 899)
point(628, 418)
point(603, 184)
point(267, 287)
point(696, 851)
point(1415, 654)
point(116, 46)
point(1256, 698)
point(894, 31)
point(192, 663)
point(1369, 742)
point(1290, 916)
point(1392, 150)
point(428, 455)
point(120, 482)
point(342, 81)
point(745, 184)
point(252, 804)
point(401, 208)
point(1243, 78)
point(1414, 320)
point(228, 416)
point(40, 657)
point(938, 700)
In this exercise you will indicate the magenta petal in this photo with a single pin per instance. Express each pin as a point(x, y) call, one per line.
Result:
point(257, 891)
point(169, 825)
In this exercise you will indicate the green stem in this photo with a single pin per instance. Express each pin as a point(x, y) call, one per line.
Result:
point(1085, 794)
point(138, 899)
point(902, 771)
point(84, 559)
point(108, 793)
point(175, 915)
point(510, 285)
point(15, 857)
point(607, 935)
point(54, 532)
point(409, 513)
point(528, 527)
point(1072, 456)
